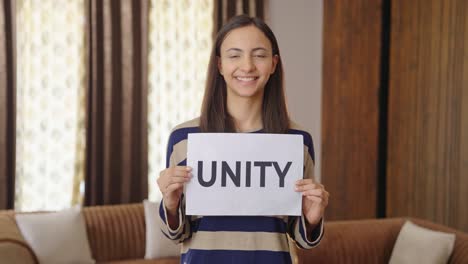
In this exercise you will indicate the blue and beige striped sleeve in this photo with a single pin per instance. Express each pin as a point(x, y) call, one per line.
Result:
point(183, 231)
point(297, 227)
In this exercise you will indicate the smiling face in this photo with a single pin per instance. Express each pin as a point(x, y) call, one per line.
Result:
point(246, 62)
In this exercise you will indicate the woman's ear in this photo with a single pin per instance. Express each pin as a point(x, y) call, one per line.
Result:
point(274, 63)
point(220, 68)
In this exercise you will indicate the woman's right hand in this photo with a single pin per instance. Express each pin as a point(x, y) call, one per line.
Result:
point(171, 182)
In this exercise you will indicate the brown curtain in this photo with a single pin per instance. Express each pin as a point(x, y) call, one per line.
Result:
point(117, 170)
point(225, 9)
point(7, 104)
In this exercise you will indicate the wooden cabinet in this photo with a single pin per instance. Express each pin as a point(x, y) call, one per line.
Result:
point(395, 110)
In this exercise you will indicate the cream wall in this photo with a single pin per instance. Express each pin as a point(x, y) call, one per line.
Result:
point(297, 25)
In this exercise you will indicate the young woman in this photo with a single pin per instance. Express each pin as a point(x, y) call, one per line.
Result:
point(244, 93)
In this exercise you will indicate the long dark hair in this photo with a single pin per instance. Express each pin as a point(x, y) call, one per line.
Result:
point(214, 115)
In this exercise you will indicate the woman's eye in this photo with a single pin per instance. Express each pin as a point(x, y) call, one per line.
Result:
point(233, 56)
point(260, 56)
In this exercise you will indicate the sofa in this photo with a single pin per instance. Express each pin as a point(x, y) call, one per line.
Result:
point(372, 241)
point(116, 234)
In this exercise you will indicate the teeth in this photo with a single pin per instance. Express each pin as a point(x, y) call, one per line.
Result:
point(245, 79)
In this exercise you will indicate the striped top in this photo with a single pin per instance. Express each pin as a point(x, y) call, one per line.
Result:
point(236, 239)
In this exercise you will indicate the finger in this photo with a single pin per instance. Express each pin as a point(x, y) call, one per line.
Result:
point(176, 169)
point(318, 192)
point(314, 192)
point(304, 181)
point(320, 200)
point(184, 168)
point(163, 181)
point(316, 199)
point(180, 173)
point(178, 180)
point(310, 186)
point(173, 187)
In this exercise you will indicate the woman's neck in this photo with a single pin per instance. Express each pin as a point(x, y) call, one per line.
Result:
point(246, 113)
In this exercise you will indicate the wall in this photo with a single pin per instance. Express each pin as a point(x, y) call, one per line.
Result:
point(351, 109)
point(298, 27)
point(395, 109)
point(427, 165)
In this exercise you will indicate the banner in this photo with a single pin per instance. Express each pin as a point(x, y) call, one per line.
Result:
point(244, 174)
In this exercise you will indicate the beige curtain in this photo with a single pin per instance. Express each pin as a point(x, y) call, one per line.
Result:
point(50, 103)
point(7, 103)
point(117, 165)
point(180, 37)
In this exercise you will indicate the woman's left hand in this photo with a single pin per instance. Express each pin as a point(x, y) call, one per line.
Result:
point(314, 200)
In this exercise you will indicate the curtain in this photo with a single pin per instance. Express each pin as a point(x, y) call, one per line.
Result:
point(7, 104)
point(180, 37)
point(50, 103)
point(225, 9)
point(117, 165)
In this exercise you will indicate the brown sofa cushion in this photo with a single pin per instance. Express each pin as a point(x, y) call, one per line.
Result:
point(116, 232)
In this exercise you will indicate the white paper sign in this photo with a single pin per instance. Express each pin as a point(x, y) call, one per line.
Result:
point(244, 174)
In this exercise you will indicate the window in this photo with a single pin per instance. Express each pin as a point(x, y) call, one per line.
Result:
point(50, 103)
point(51, 87)
point(180, 44)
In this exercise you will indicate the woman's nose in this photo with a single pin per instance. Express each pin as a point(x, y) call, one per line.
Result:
point(247, 64)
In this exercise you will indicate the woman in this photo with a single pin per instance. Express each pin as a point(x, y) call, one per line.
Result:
point(244, 93)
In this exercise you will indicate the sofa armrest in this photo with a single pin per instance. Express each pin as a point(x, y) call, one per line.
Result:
point(357, 241)
point(14, 253)
point(13, 247)
point(460, 251)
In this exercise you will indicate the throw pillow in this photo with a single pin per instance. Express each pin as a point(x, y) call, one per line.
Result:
point(58, 237)
point(416, 244)
point(157, 244)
